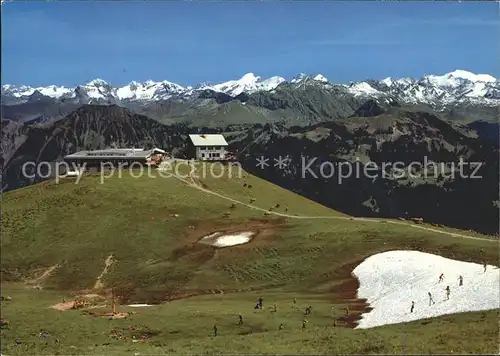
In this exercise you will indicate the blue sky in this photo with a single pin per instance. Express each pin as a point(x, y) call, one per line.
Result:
point(70, 43)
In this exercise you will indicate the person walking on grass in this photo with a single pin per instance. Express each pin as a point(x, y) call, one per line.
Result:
point(304, 323)
point(412, 307)
point(240, 317)
point(260, 302)
point(460, 281)
point(215, 330)
point(447, 292)
point(308, 310)
point(281, 327)
point(431, 301)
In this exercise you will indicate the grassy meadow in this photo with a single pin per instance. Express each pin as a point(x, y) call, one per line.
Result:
point(56, 237)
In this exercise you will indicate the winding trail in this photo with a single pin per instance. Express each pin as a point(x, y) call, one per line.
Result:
point(45, 275)
point(193, 184)
point(107, 264)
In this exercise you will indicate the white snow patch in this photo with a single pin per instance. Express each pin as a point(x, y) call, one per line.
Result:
point(139, 305)
point(390, 281)
point(478, 90)
point(216, 239)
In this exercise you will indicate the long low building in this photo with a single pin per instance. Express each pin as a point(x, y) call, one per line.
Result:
point(116, 156)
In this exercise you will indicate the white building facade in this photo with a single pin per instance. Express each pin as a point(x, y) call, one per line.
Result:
point(209, 147)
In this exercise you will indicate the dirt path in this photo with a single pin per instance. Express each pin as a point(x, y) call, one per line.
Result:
point(63, 306)
point(196, 186)
point(46, 274)
point(107, 264)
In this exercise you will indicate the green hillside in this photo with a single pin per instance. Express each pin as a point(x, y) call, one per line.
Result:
point(140, 236)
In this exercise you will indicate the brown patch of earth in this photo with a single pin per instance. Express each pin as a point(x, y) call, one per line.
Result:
point(64, 306)
point(264, 231)
point(346, 293)
point(91, 299)
point(109, 315)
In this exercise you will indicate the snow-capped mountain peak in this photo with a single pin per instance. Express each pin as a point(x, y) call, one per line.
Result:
point(471, 76)
point(298, 78)
point(248, 83)
point(97, 83)
point(321, 78)
point(302, 77)
point(249, 78)
point(457, 78)
point(272, 83)
point(149, 90)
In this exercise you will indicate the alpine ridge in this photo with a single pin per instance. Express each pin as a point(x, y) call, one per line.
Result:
point(457, 87)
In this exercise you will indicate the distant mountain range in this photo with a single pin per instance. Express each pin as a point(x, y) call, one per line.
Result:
point(303, 100)
point(456, 87)
point(442, 117)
